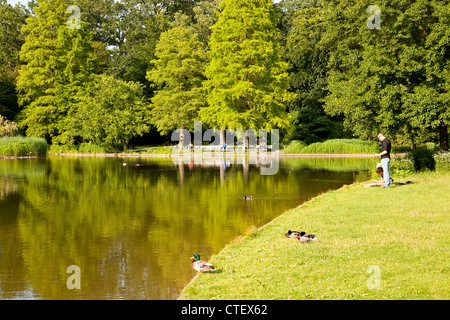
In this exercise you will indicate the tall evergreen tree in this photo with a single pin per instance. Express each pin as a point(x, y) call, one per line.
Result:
point(178, 75)
point(58, 64)
point(247, 80)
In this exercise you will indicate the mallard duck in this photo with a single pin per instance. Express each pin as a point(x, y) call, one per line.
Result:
point(305, 237)
point(201, 265)
point(291, 234)
point(248, 198)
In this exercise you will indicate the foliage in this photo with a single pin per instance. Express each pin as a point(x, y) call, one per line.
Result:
point(442, 161)
point(86, 147)
point(386, 79)
point(422, 159)
point(159, 150)
point(11, 40)
point(7, 128)
point(308, 74)
point(58, 64)
point(112, 112)
point(178, 74)
point(91, 148)
point(22, 146)
point(294, 146)
point(62, 148)
point(351, 146)
point(401, 167)
point(309, 67)
point(246, 81)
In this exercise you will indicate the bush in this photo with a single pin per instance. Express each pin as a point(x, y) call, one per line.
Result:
point(401, 167)
point(442, 161)
point(159, 150)
point(295, 146)
point(91, 148)
point(422, 159)
point(23, 147)
point(86, 147)
point(7, 128)
point(346, 146)
point(62, 148)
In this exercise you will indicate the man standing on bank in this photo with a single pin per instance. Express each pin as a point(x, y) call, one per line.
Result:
point(385, 155)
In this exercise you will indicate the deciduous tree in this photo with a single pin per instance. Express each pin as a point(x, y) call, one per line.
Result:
point(247, 80)
point(178, 74)
point(111, 112)
point(58, 65)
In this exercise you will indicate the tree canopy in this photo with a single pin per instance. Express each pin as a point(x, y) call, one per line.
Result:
point(387, 79)
point(58, 64)
point(247, 80)
point(317, 69)
point(178, 74)
point(111, 112)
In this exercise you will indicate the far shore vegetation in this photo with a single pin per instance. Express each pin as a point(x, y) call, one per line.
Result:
point(294, 66)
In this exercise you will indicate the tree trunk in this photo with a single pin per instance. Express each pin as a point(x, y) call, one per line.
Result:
point(246, 143)
point(443, 137)
point(125, 145)
point(181, 138)
point(222, 137)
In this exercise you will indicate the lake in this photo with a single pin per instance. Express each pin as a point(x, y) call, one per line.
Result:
point(130, 225)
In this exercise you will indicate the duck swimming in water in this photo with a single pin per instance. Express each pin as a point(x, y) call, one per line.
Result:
point(248, 198)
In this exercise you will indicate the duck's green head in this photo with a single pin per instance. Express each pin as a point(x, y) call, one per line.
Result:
point(196, 257)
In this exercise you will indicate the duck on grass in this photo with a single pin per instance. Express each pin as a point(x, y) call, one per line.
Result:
point(200, 265)
point(300, 236)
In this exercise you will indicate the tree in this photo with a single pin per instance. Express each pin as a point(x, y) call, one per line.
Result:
point(58, 64)
point(111, 111)
point(11, 40)
point(247, 80)
point(178, 75)
point(387, 79)
point(308, 62)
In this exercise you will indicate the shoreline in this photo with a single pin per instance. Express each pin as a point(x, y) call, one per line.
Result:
point(204, 155)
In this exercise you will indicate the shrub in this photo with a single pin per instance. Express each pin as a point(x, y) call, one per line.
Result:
point(62, 148)
point(422, 159)
point(351, 146)
point(23, 146)
point(91, 148)
point(7, 128)
point(442, 161)
point(401, 167)
point(295, 146)
point(159, 150)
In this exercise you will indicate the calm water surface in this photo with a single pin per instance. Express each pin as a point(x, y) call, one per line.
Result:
point(132, 228)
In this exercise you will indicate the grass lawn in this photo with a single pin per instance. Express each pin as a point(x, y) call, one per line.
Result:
point(402, 231)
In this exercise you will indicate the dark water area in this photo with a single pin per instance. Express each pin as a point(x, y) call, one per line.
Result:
point(130, 226)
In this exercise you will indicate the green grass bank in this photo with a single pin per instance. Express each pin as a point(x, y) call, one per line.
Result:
point(373, 243)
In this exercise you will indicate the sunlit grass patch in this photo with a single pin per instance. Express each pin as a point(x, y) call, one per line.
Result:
point(402, 232)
